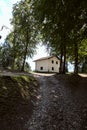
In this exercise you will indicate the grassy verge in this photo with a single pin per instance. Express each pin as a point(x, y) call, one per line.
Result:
point(16, 95)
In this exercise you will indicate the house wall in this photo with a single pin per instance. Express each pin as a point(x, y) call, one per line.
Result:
point(54, 64)
point(48, 65)
point(42, 63)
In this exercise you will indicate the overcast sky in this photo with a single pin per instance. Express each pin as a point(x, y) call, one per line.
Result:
point(5, 16)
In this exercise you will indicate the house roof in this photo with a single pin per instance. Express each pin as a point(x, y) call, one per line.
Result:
point(45, 58)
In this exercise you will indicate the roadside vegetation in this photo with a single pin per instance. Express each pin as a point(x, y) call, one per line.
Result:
point(60, 25)
point(17, 94)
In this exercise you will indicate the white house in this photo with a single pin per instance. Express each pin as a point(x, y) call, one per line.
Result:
point(47, 64)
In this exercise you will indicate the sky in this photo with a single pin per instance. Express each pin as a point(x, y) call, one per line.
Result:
point(5, 16)
point(41, 52)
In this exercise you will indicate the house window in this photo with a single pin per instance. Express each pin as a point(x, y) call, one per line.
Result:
point(52, 68)
point(41, 68)
point(56, 62)
point(52, 61)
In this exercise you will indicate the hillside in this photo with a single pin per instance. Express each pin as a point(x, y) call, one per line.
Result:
point(45, 101)
point(16, 96)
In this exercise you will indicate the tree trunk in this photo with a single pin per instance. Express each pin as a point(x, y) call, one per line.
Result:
point(25, 53)
point(22, 68)
point(76, 59)
point(64, 63)
point(61, 62)
point(14, 42)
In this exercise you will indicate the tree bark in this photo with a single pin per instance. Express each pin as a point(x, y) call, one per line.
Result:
point(61, 62)
point(14, 42)
point(64, 63)
point(25, 53)
point(76, 58)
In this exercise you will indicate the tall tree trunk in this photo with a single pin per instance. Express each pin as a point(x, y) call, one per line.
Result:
point(76, 58)
point(14, 42)
point(22, 68)
point(25, 53)
point(64, 63)
point(61, 62)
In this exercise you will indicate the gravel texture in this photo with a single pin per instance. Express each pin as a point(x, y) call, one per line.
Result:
point(61, 104)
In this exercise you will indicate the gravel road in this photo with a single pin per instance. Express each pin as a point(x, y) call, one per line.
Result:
point(59, 105)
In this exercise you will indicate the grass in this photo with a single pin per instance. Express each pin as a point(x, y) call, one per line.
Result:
point(19, 86)
point(16, 95)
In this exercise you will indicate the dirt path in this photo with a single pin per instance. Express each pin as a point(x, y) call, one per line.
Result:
point(61, 102)
point(58, 106)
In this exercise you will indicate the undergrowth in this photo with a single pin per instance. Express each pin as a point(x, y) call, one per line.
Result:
point(16, 95)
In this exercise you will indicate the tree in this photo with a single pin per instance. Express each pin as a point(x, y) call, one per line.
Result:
point(23, 38)
point(60, 19)
point(6, 55)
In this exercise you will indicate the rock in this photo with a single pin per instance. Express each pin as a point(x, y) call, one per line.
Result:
point(85, 127)
point(74, 124)
point(60, 110)
point(60, 117)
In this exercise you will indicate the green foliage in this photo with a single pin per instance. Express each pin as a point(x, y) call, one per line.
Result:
point(6, 57)
point(83, 48)
point(18, 87)
point(23, 37)
point(62, 25)
point(16, 95)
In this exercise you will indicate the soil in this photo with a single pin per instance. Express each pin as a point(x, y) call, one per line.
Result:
point(17, 94)
point(60, 104)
